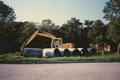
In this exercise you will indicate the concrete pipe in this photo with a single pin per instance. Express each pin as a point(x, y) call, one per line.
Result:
point(71, 50)
point(32, 52)
point(48, 52)
point(67, 53)
point(84, 52)
point(89, 49)
point(80, 51)
point(61, 51)
point(57, 53)
point(76, 52)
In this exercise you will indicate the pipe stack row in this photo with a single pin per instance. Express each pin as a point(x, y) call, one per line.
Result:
point(57, 52)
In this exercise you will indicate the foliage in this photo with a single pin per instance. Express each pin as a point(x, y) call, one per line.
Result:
point(13, 34)
point(6, 12)
point(97, 33)
point(7, 27)
point(86, 26)
point(73, 26)
point(114, 31)
point(47, 25)
point(88, 23)
point(112, 13)
point(112, 10)
point(114, 34)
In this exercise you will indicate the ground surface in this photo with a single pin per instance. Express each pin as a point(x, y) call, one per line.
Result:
point(66, 71)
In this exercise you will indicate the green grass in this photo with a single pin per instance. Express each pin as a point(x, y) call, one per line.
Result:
point(18, 56)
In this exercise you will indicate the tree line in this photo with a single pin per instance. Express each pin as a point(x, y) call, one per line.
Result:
point(13, 34)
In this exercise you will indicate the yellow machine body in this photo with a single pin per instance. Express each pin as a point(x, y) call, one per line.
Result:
point(55, 43)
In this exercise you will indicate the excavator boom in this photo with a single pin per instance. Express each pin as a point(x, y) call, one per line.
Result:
point(45, 34)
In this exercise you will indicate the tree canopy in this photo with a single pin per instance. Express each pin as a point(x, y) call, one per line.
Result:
point(112, 10)
point(6, 12)
point(97, 33)
point(112, 14)
point(47, 25)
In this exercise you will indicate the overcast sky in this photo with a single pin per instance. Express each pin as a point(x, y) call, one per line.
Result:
point(59, 11)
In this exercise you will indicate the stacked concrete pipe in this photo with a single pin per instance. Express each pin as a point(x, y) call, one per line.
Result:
point(50, 52)
point(53, 52)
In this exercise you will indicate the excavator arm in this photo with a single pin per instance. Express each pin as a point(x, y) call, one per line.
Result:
point(45, 34)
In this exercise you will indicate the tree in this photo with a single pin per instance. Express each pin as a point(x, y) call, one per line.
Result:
point(112, 10)
point(9, 34)
point(64, 31)
point(6, 12)
point(88, 23)
point(112, 14)
point(74, 29)
point(97, 34)
point(28, 30)
point(114, 32)
point(7, 16)
point(47, 25)
point(84, 32)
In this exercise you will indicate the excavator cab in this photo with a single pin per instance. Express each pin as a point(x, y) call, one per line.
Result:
point(56, 43)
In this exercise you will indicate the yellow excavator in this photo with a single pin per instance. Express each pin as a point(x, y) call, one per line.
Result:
point(57, 47)
point(55, 43)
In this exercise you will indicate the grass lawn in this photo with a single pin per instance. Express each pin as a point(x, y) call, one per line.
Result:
point(18, 56)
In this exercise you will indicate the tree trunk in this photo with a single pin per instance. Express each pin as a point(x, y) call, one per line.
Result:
point(103, 45)
point(102, 52)
point(118, 48)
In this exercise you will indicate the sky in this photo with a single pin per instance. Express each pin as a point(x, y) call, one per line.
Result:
point(59, 11)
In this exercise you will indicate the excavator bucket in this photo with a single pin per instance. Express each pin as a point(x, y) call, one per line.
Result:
point(32, 52)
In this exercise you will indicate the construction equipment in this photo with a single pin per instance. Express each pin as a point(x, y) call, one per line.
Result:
point(55, 43)
point(57, 47)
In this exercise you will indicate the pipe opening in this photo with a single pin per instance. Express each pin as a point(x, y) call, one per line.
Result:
point(57, 52)
point(76, 52)
point(66, 53)
point(84, 52)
